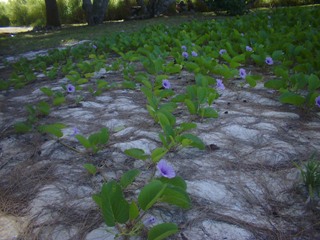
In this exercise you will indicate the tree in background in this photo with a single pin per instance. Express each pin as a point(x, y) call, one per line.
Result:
point(52, 14)
point(95, 12)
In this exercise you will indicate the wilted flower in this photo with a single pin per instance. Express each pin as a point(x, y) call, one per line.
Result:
point(94, 46)
point(318, 101)
point(185, 55)
point(249, 49)
point(184, 48)
point(220, 84)
point(194, 54)
point(269, 61)
point(165, 169)
point(166, 84)
point(150, 221)
point(242, 73)
point(70, 88)
point(222, 51)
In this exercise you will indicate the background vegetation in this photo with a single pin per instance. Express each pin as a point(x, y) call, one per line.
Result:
point(32, 12)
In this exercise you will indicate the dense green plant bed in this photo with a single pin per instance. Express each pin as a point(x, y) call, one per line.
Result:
point(283, 43)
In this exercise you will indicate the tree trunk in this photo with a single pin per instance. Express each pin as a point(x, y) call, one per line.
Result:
point(52, 13)
point(95, 12)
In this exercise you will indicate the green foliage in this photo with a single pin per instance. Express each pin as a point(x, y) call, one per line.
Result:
point(310, 173)
point(162, 231)
point(95, 141)
point(90, 168)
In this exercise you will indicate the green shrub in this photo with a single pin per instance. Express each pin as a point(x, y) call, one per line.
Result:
point(231, 7)
point(4, 20)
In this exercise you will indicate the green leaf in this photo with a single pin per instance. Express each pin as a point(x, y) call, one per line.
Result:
point(47, 91)
point(292, 98)
point(176, 196)
point(112, 203)
point(202, 93)
point(157, 154)
point(275, 84)
point(186, 126)
point(128, 177)
point(54, 129)
point(161, 231)
point(136, 153)
point(133, 211)
point(58, 101)
point(90, 168)
point(150, 194)
point(191, 106)
point(195, 141)
point(313, 83)
point(129, 84)
point(209, 112)
point(43, 108)
point(176, 181)
point(84, 142)
point(22, 127)
point(251, 81)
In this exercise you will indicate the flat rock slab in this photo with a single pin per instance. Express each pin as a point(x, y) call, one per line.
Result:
point(243, 186)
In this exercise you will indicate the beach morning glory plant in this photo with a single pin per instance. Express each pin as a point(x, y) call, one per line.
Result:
point(318, 101)
point(222, 51)
point(185, 55)
point(71, 88)
point(194, 54)
point(220, 84)
point(242, 73)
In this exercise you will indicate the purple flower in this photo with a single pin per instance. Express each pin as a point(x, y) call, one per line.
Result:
point(76, 131)
point(269, 61)
point(165, 169)
point(150, 221)
point(220, 84)
point(222, 51)
point(166, 84)
point(194, 54)
point(242, 73)
point(184, 48)
point(94, 46)
point(185, 55)
point(249, 49)
point(70, 88)
point(318, 101)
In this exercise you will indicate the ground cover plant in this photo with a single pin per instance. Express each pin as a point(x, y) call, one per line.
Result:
point(214, 52)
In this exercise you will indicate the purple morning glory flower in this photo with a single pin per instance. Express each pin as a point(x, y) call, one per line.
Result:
point(249, 49)
point(150, 221)
point(94, 46)
point(242, 73)
point(76, 131)
point(269, 61)
point(194, 54)
point(166, 84)
point(185, 55)
point(184, 48)
point(220, 84)
point(222, 51)
point(70, 88)
point(318, 101)
point(165, 169)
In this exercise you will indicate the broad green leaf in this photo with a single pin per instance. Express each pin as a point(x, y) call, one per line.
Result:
point(209, 112)
point(251, 81)
point(157, 154)
point(136, 153)
point(176, 181)
point(43, 108)
point(129, 84)
point(133, 211)
point(150, 194)
point(186, 126)
point(171, 69)
point(202, 94)
point(128, 177)
point(313, 83)
point(22, 127)
point(54, 129)
point(176, 196)
point(90, 168)
point(191, 106)
point(292, 98)
point(58, 101)
point(161, 231)
point(84, 142)
point(196, 142)
point(275, 84)
point(47, 91)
